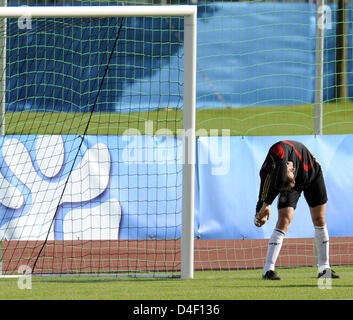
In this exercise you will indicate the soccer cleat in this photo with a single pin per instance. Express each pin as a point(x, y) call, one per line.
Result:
point(328, 273)
point(271, 275)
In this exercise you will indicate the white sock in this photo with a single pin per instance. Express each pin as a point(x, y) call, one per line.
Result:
point(274, 247)
point(322, 246)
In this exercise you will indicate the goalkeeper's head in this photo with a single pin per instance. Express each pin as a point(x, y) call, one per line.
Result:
point(290, 181)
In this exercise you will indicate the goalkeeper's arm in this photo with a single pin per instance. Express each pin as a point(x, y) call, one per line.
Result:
point(266, 196)
point(262, 215)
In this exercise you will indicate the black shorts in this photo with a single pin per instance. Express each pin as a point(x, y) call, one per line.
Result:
point(315, 194)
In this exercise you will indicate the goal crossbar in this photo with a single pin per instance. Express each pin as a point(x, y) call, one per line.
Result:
point(189, 12)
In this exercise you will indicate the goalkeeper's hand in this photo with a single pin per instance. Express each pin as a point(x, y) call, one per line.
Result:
point(263, 215)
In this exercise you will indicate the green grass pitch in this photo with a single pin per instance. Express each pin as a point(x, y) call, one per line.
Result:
point(251, 121)
point(297, 284)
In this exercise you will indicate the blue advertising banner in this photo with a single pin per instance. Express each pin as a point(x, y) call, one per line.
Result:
point(130, 187)
point(226, 205)
point(126, 187)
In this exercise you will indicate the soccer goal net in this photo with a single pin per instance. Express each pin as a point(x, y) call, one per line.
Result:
point(97, 145)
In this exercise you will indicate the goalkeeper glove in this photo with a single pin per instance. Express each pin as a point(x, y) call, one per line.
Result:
point(263, 215)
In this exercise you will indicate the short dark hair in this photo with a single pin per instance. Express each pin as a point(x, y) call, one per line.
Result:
point(289, 184)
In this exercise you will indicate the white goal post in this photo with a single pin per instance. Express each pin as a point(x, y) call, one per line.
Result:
point(189, 12)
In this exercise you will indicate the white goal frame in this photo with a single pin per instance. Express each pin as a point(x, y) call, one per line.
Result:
point(189, 12)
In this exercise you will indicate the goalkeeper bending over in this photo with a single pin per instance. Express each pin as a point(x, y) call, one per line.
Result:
point(289, 169)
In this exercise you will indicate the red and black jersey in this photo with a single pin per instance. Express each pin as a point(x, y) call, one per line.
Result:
point(273, 173)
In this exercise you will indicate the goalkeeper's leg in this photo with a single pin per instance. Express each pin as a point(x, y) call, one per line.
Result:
point(322, 241)
point(321, 236)
point(285, 216)
point(316, 196)
point(274, 247)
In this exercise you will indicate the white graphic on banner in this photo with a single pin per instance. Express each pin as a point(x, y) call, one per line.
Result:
point(88, 180)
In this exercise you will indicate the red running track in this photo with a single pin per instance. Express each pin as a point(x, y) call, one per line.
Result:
point(130, 256)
